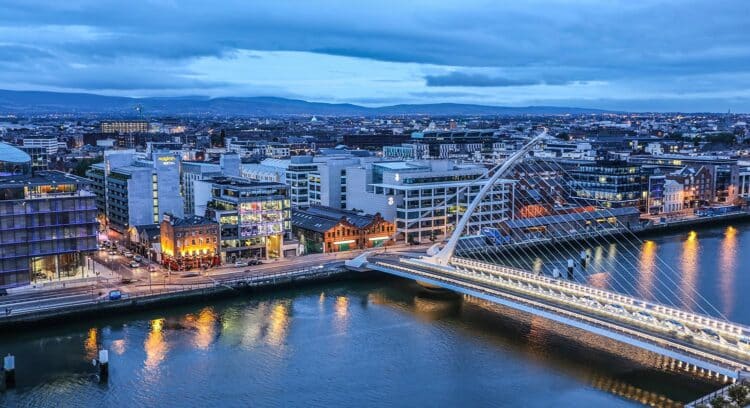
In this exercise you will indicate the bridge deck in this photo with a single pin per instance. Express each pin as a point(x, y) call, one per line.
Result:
point(607, 313)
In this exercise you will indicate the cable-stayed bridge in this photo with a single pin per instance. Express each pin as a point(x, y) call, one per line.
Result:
point(499, 270)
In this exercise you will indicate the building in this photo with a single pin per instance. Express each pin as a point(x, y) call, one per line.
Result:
point(583, 220)
point(47, 143)
point(609, 184)
point(674, 196)
point(696, 183)
point(254, 217)
point(145, 240)
point(189, 242)
point(40, 157)
point(307, 182)
point(425, 198)
point(324, 229)
point(192, 171)
point(135, 191)
point(327, 187)
point(125, 126)
point(47, 222)
point(723, 172)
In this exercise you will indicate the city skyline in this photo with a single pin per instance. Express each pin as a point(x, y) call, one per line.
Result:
point(653, 56)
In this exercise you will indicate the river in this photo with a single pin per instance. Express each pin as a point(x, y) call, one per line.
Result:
point(383, 341)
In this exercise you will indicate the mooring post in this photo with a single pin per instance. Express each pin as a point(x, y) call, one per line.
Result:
point(9, 370)
point(103, 363)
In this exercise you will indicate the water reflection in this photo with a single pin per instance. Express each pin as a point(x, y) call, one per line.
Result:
point(155, 345)
point(278, 324)
point(91, 344)
point(689, 268)
point(599, 280)
point(728, 269)
point(647, 269)
point(205, 327)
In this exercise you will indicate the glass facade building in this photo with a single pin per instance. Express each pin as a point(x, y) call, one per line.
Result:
point(47, 222)
point(610, 184)
point(254, 217)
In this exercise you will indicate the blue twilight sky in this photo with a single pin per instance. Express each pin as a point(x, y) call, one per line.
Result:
point(631, 54)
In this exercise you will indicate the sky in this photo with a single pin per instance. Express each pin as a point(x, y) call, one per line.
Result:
point(637, 55)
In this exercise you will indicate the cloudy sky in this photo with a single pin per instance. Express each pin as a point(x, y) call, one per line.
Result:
point(632, 54)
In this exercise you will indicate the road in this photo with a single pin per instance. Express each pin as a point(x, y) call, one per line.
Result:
point(151, 278)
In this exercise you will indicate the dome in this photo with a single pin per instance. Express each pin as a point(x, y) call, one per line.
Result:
point(14, 161)
point(12, 154)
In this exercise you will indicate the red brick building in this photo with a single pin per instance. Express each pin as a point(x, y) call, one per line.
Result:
point(325, 229)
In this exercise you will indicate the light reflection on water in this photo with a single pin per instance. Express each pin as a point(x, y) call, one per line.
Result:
point(379, 343)
point(689, 269)
point(728, 268)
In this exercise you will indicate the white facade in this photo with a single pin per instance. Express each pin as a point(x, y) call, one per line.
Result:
point(425, 199)
point(674, 196)
point(50, 144)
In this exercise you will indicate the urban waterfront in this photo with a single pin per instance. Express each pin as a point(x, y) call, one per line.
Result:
point(375, 342)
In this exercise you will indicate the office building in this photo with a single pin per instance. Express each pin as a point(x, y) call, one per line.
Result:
point(135, 191)
point(47, 222)
point(254, 217)
point(425, 198)
point(125, 126)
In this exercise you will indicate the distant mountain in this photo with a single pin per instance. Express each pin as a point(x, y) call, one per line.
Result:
point(83, 103)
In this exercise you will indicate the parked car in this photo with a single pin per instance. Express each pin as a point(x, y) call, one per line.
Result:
point(128, 254)
point(115, 295)
point(134, 264)
point(240, 263)
point(254, 262)
point(138, 258)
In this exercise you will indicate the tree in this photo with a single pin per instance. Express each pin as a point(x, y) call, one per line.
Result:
point(738, 394)
point(718, 402)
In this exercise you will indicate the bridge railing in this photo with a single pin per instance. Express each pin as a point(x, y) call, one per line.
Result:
point(718, 360)
point(729, 328)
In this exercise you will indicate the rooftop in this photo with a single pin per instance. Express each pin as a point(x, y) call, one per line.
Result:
point(12, 154)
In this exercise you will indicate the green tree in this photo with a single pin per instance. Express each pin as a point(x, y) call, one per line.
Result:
point(718, 402)
point(738, 394)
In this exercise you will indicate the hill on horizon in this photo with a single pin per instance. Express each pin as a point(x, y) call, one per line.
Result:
point(84, 103)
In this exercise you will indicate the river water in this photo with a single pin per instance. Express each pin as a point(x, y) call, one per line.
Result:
point(385, 342)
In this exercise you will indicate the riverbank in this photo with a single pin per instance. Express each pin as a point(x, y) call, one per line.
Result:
point(175, 295)
point(692, 223)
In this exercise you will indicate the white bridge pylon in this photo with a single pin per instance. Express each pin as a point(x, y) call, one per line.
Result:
point(444, 256)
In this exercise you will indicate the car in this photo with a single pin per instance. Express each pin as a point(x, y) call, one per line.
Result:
point(255, 262)
point(115, 295)
point(138, 258)
point(112, 252)
point(134, 264)
point(128, 254)
point(240, 263)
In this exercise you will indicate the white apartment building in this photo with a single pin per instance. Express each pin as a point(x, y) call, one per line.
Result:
point(426, 198)
point(674, 196)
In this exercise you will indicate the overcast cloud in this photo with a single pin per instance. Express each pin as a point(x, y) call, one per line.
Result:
point(636, 55)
